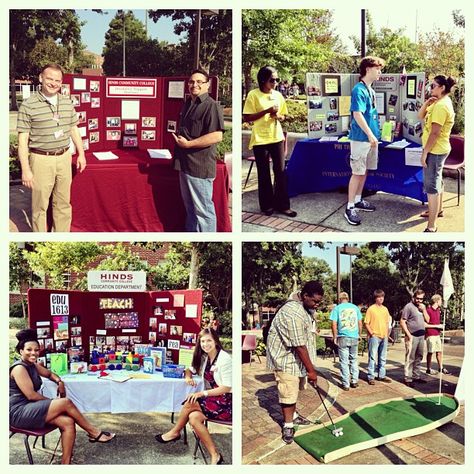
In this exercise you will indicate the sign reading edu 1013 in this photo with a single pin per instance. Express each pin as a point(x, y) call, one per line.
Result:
point(104, 280)
point(59, 304)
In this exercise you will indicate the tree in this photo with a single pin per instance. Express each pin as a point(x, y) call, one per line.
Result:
point(294, 41)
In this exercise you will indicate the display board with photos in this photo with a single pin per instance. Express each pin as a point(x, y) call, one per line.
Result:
point(398, 99)
point(76, 322)
point(128, 112)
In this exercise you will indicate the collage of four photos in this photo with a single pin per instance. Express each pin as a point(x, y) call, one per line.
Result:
point(276, 337)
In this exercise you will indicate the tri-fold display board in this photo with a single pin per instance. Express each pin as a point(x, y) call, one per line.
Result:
point(65, 320)
point(128, 112)
point(398, 99)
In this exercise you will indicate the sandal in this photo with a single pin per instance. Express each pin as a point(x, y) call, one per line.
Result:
point(97, 438)
point(426, 214)
point(431, 230)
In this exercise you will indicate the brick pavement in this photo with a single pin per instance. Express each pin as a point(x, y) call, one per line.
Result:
point(282, 224)
point(261, 442)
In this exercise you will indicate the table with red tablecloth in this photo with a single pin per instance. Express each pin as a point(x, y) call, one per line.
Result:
point(136, 193)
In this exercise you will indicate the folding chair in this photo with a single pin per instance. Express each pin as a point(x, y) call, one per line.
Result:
point(198, 446)
point(37, 433)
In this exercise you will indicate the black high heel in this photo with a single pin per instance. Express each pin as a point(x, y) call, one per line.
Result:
point(220, 460)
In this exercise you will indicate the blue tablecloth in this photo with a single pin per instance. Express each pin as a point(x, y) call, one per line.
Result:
point(316, 167)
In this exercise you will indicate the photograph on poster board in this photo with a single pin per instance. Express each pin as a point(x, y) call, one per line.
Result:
point(61, 346)
point(60, 327)
point(93, 123)
point(158, 311)
point(76, 330)
point(171, 126)
point(82, 117)
point(176, 330)
point(114, 135)
point(130, 128)
point(65, 90)
point(315, 126)
point(152, 337)
point(85, 144)
point(315, 103)
point(332, 116)
point(86, 97)
point(153, 323)
point(95, 102)
point(113, 122)
point(41, 344)
point(170, 314)
point(76, 341)
point(392, 100)
point(49, 344)
point(148, 122)
point(189, 337)
point(43, 332)
point(333, 103)
point(76, 100)
point(94, 86)
point(130, 141)
point(135, 339)
point(330, 127)
point(148, 135)
point(162, 329)
point(94, 137)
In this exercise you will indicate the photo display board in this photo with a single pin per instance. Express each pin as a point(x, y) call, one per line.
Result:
point(398, 99)
point(76, 322)
point(128, 112)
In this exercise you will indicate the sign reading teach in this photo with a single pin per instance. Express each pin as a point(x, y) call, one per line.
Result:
point(104, 280)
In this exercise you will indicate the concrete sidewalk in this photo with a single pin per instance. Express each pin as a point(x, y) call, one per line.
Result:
point(135, 443)
point(261, 432)
point(323, 212)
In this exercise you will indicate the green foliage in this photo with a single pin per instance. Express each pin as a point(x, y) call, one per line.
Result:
point(261, 348)
point(16, 310)
point(13, 162)
point(226, 343)
point(225, 146)
point(297, 118)
point(18, 323)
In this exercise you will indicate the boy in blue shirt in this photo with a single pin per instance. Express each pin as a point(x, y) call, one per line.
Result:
point(363, 135)
point(346, 327)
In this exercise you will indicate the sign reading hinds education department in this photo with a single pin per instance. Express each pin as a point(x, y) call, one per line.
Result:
point(131, 87)
point(105, 280)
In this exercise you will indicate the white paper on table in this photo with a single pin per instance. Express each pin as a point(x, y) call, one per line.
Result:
point(413, 156)
point(328, 138)
point(191, 310)
point(399, 145)
point(130, 109)
point(164, 153)
point(105, 155)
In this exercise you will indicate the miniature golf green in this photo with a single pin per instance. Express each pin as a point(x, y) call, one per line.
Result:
point(377, 424)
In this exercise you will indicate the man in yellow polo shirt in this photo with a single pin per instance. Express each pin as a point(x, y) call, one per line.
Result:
point(377, 322)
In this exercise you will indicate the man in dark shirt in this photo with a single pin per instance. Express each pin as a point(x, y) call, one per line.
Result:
point(201, 125)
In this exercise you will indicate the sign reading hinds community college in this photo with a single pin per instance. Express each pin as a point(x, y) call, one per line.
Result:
point(104, 280)
point(132, 88)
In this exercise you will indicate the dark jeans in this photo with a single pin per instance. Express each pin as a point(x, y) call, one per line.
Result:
point(271, 197)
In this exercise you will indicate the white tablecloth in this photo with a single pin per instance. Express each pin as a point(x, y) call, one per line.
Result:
point(97, 395)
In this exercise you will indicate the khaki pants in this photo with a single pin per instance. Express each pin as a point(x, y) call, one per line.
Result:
point(289, 386)
point(52, 177)
point(414, 350)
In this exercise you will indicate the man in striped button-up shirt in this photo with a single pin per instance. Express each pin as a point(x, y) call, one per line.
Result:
point(47, 121)
point(291, 352)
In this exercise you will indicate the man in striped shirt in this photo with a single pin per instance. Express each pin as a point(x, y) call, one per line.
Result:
point(291, 352)
point(47, 121)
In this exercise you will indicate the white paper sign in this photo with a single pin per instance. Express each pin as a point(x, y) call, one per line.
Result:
point(172, 344)
point(101, 332)
point(176, 89)
point(162, 300)
point(59, 304)
point(107, 280)
point(79, 84)
point(128, 330)
point(413, 156)
point(191, 310)
point(82, 131)
point(130, 109)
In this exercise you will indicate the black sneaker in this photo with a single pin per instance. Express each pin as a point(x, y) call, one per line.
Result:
point(354, 384)
point(287, 434)
point(301, 420)
point(364, 206)
point(351, 216)
point(345, 388)
point(384, 379)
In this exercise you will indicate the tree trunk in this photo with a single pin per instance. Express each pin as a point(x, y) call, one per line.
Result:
point(194, 268)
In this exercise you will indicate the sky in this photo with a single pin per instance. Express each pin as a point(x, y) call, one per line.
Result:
point(329, 254)
point(346, 23)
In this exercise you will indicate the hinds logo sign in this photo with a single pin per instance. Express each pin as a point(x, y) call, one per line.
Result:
point(116, 281)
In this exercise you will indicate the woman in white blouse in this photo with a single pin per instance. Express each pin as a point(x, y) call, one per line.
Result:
point(215, 402)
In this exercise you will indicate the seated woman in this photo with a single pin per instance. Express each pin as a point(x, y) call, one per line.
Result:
point(213, 403)
point(31, 410)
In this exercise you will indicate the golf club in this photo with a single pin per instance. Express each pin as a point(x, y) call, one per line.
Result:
point(335, 431)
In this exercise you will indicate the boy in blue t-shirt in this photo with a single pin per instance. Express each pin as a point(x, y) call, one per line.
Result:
point(364, 135)
point(346, 327)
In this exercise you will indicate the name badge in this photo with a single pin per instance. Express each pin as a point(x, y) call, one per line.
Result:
point(59, 133)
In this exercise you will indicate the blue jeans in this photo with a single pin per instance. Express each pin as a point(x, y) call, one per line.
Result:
point(377, 357)
point(348, 347)
point(197, 200)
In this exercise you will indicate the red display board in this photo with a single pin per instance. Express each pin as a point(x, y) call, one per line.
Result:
point(128, 112)
point(114, 320)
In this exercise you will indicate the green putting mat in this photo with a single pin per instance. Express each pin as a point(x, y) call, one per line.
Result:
point(377, 424)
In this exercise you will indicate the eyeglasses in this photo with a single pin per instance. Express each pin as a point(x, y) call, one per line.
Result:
point(274, 79)
point(198, 83)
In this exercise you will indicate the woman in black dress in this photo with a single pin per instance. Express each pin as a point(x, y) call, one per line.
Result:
point(215, 402)
point(31, 410)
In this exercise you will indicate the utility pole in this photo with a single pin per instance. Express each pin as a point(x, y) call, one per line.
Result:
point(363, 20)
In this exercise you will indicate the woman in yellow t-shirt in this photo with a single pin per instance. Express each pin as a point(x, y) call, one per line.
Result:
point(266, 108)
point(438, 114)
